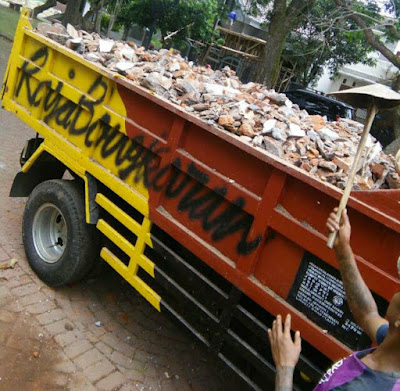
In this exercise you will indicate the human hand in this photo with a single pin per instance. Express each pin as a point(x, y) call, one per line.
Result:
point(285, 351)
point(343, 228)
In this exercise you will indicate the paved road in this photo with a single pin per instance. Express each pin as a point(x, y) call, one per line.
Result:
point(49, 339)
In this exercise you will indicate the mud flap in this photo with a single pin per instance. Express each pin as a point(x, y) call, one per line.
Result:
point(46, 167)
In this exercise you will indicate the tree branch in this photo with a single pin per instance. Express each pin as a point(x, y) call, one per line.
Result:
point(372, 39)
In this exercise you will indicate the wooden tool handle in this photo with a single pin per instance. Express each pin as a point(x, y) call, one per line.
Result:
point(353, 171)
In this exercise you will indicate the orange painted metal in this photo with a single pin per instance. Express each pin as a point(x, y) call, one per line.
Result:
point(251, 216)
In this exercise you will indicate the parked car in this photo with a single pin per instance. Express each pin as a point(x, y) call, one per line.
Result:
point(316, 103)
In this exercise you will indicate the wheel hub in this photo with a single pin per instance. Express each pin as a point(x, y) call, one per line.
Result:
point(49, 233)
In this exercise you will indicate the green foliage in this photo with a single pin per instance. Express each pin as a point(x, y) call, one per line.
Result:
point(185, 18)
point(105, 21)
point(157, 44)
point(326, 39)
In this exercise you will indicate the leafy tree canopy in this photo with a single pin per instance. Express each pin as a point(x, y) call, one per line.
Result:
point(325, 39)
point(175, 19)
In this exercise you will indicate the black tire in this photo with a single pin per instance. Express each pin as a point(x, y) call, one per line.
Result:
point(79, 247)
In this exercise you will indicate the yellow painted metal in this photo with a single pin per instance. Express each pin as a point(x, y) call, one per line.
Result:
point(121, 216)
point(136, 282)
point(43, 77)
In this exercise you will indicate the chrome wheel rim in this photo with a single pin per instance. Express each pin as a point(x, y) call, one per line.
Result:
point(49, 233)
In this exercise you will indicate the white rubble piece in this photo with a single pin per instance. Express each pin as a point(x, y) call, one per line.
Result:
point(106, 45)
point(268, 126)
point(252, 113)
point(72, 31)
point(296, 131)
point(327, 134)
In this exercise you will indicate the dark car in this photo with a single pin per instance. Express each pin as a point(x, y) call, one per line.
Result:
point(316, 103)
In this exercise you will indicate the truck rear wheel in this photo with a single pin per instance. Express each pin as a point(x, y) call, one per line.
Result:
point(59, 245)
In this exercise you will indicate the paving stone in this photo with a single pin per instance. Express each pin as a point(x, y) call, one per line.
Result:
point(77, 348)
point(51, 317)
point(3, 255)
point(16, 281)
point(64, 365)
point(98, 370)
point(83, 385)
point(104, 348)
point(68, 338)
point(120, 359)
point(88, 358)
point(25, 290)
point(32, 299)
point(40, 308)
point(6, 316)
point(111, 381)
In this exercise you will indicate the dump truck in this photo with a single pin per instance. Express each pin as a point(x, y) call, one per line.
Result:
point(219, 234)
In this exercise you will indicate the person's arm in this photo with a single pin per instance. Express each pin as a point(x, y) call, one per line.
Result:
point(359, 297)
point(285, 352)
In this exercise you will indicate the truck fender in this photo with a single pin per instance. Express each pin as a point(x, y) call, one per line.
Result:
point(38, 165)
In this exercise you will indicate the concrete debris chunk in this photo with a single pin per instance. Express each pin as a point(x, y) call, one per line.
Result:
point(124, 65)
point(268, 126)
point(327, 134)
point(59, 38)
point(272, 146)
point(296, 131)
point(246, 130)
point(261, 117)
point(72, 31)
point(105, 45)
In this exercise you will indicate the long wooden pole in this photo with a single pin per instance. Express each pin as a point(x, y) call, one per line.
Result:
point(372, 110)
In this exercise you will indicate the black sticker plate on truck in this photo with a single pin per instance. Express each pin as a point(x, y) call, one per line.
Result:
point(318, 292)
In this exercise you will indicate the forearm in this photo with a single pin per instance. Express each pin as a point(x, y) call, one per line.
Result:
point(359, 297)
point(284, 378)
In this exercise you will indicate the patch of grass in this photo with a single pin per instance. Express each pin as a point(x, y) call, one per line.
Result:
point(5, 48)
point(8, 22)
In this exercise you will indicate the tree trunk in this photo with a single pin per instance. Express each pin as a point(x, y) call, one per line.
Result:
point(125, 34)
point(148, 37)
point(113, 16)
point(269, 65)
point(48, 4)
point(73, 13)
point(285, 17)
point(99, 14)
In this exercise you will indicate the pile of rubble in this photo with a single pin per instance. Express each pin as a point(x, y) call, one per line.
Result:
point(259, 116)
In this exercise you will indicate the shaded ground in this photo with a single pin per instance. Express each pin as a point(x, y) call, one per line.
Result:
point(26, 356)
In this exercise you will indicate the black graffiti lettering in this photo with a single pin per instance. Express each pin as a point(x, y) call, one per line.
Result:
point(137, 161)
point(63, 113)
point(28, 69)
point(91, 128)
point(173, 189)
point(78, 115)
point(159, 181)
point(230, 221)
point(136, 164)
point(52, 97)
point(124, 153)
